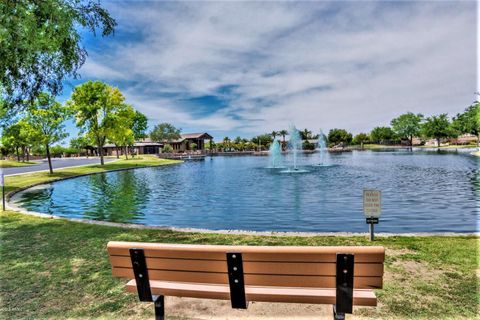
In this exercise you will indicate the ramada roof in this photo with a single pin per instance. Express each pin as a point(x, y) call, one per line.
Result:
point(202, 135)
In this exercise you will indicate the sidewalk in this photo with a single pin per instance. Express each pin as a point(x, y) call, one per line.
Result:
point(57, 163)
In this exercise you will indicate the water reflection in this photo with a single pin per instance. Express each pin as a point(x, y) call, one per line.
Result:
point(117, 198)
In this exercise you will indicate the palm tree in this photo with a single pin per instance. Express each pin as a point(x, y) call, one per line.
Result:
point(274, 134)
point(306, 134)
point(283, 133)
point(226, 143)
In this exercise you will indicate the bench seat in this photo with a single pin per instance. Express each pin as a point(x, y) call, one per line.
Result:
point(342, 276)
point(361, 297)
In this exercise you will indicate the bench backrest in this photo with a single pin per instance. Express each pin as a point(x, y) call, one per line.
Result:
point(284, 266)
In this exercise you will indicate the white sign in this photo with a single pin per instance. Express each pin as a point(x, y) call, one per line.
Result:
point(372, 203)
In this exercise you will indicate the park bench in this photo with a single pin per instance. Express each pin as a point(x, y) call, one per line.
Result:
point(341, 276)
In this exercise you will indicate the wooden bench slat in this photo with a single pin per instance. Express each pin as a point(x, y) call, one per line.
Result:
point(255, 293)
point(249, 267)
point(249, 253)
point(250, 279)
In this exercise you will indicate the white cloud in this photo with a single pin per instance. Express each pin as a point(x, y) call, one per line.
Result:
point(353, 65)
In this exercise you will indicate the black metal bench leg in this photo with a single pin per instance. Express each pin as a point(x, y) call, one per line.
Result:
point(159, 303)
point(139, 265)
point(338, 316)
point(344, 291)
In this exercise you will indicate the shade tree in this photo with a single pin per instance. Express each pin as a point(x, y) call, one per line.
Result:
point(361, 139)
point(121, 134)
point(164, 132)
point(407, 126)
point(339, 136)
point(40, 44)
point(382, 135)
point(468, 121)
point(438, 128)
point(95, 105)
point(139, 125)
point(46, 118)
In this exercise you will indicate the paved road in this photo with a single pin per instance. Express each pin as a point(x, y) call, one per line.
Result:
point(56, 163)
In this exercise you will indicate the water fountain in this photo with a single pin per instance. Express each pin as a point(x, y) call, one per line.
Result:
point(295, 145)
point(275, 154)
point(322, 147)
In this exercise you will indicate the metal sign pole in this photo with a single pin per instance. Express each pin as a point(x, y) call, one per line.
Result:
point(2, 181)
point(372, 234)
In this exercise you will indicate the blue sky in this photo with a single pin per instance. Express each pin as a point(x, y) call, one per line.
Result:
point(244, 68)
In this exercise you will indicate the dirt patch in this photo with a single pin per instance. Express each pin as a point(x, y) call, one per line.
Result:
point(217, 309)
point(404, 270)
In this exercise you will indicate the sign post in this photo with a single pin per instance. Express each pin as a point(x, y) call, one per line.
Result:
point(2, 182)
point(372, 208)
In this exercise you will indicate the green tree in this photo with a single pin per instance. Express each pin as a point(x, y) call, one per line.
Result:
point(407, 126)
point(438, 128)
point(283, 133)
point(469, 121)
point(226, 144)
point(139, 126)
point(95, 105)
point(274, 134)
point(11, 138)
point(165, 132)
point(80, 143)
point(47, 117)
point(306, 145)
point(40, 44)
point(262, 140)
point(29, 136)
point(382, 135)
point(121, 133)
point(361, 138)
point(337, 136)
point(306, 134)
point(167, 148)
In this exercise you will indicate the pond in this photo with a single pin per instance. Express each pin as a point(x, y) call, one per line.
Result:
point(421, 192)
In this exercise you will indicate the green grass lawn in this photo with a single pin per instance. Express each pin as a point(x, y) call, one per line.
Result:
point(451, 146)
point(54, 268)
point(11, 163)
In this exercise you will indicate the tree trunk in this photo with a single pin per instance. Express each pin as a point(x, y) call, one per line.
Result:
point(116, 149)
point(126, 153)
point(28, 154)
point(100, 153)
point(411, 141)
point(49, 158)
point(18, 154)
point(438, 142)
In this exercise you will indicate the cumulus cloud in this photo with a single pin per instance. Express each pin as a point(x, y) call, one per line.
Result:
point(353, 65)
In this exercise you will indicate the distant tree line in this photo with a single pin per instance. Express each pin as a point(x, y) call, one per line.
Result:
point(403, 128)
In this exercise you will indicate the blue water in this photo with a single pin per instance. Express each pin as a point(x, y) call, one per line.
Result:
point(421, 192)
